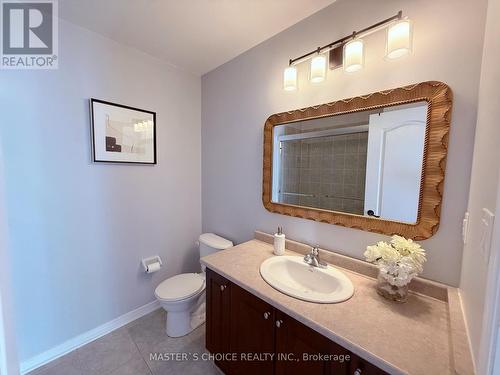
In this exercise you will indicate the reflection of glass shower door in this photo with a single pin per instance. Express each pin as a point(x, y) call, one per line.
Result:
point(289, 171)
point(394, 163)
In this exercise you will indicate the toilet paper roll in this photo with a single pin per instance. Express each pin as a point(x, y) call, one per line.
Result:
point(153, 267)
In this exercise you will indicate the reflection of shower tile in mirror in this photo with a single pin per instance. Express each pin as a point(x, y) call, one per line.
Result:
point(316, 146)
point(316, 175)
point(325, 189)
point(336, 204)
point(350, 176)
point(305, 175)
point(352, 143)
point(337, 190)
point(327, 172)
point(339, 145)
point(349, 191)
point(339, 162)
point(338, 177)
point(327, 176)
point(304, 161)
point(351, 162)
point(304, 147)
point(363, 144)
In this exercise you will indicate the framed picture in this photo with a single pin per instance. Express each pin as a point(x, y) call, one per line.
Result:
point(122, 134)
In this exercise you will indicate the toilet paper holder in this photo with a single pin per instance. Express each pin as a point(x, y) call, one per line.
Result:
point(152, 264)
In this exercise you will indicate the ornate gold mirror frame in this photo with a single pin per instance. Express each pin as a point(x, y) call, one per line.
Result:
point(439, 98)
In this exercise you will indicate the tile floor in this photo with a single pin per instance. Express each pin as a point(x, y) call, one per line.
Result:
point(126, 351)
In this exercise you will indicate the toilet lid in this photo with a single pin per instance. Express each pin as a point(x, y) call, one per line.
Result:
point(180, 287)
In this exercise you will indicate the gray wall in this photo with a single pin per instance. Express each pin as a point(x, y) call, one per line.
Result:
point(483, 193)
point(78, 230)
point(238, 96)
point(8, 353)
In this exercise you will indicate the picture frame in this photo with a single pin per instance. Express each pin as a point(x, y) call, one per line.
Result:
point(122, 134)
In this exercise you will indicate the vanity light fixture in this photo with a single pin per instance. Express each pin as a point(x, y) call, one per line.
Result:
point(354, 56)
point(399, 39)
point(349, 51)
point(290, 78)
point(318, 68)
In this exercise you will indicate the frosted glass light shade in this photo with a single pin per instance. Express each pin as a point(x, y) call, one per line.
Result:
point(290, 78)
point(318, 69)
point(399, 39)
point(354, 57)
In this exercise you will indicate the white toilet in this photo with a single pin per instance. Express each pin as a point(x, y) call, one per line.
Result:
point(183, 296)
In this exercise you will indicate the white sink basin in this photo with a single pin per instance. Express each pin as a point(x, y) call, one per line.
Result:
point(292, 276)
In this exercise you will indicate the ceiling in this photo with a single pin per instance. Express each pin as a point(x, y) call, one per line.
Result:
point(195, 35)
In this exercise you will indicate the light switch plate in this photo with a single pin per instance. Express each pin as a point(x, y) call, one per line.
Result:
point(487, 220)
point(465, 227)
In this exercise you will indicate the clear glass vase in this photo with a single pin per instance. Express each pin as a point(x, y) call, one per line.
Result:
point(391, 292)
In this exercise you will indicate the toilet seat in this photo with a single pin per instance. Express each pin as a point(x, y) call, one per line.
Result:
point(180, 287)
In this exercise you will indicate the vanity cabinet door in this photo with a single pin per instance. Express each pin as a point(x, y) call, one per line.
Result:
point(251, 334)
point(218, 294)
point(301, 350)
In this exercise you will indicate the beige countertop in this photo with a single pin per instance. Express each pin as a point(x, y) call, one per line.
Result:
point(412, 338)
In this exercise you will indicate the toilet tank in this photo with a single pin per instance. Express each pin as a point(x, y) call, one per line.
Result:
point(211, 243)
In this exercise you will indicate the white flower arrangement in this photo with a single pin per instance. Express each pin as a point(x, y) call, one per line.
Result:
point(399, 261)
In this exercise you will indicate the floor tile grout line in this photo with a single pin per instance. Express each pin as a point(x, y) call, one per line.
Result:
point(140, 353)
point(76, 363)
point(109, 372)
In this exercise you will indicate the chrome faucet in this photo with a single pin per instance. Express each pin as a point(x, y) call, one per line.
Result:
point(313, 258)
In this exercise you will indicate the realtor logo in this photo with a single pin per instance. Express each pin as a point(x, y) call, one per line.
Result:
point(29, 34)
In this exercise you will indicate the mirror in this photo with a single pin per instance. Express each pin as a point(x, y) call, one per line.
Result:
point(374, 162)
point(363, 163)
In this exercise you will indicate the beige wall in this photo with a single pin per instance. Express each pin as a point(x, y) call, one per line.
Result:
point(238, 97)
point(484, 184)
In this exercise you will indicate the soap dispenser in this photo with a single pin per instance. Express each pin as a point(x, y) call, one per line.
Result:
point(279, 242)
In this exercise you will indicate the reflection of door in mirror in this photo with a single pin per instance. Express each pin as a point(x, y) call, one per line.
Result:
point(394, 163)
point(363, 163)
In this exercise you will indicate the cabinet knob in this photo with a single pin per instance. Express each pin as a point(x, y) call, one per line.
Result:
point(279, 323)
point(267, 315)
point(358, 371)
point(222, 288)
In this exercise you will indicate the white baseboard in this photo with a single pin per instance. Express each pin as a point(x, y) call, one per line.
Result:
point(80, 340)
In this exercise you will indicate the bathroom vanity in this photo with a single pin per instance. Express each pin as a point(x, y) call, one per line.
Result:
point(249, 319)
point(271, 341)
